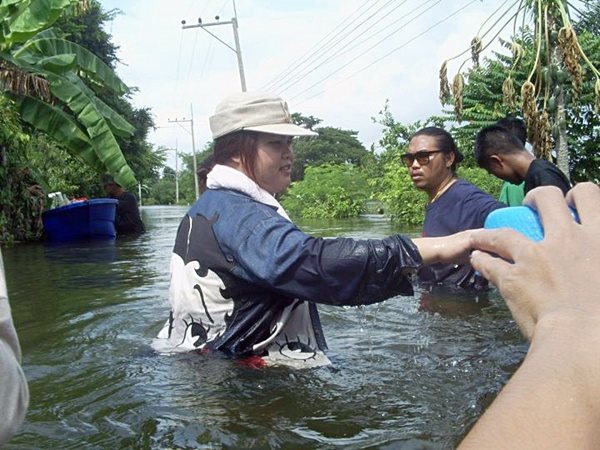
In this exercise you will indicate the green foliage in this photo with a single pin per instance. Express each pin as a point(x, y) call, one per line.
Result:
point(162, 192)
point(484, 102)
point(86, 29)
point(328, 191)
point(46, 74)
point(56, 170)
point(22, 20)
point(583, 121)
point(21, 200)
point(332, 146)
point(402, 201)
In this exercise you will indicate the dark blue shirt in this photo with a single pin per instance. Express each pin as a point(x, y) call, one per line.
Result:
point(462, 207)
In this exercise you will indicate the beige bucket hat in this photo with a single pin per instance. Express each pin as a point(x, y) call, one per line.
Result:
point(254, 111)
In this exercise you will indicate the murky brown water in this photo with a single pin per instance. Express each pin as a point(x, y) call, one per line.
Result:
point(412, 372)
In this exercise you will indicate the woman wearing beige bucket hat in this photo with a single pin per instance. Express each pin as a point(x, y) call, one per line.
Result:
point(245, 280)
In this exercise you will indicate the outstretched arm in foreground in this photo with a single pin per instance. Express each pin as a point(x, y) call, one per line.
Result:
point(453, 248)
point(553, 291)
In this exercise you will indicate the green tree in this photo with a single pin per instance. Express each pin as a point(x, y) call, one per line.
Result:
point(331, 146)
point(21, 200)
point(45, 75)
point(87, 30)
point(544, 94)
point(484, 103)
point(328, 191)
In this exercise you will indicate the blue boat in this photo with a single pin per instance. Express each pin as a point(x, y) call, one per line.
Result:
point(89, 219)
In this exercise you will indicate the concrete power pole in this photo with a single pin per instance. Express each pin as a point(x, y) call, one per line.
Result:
point(191, 122)
point(237, 50)
point(176, 174)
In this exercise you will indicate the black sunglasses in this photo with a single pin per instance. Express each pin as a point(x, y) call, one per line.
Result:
point(422, 156)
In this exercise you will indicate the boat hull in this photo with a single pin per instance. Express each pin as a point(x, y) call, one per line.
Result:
point(93, 218)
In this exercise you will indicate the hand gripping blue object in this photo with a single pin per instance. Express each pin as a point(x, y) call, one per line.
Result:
point(520, 218)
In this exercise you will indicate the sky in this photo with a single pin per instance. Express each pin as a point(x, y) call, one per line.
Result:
point(337, 60)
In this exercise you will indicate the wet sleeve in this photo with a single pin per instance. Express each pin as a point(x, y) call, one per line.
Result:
point(14, 394)
point(340, 271)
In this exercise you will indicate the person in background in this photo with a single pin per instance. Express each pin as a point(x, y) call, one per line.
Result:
point(502, 154)
point(553, 399)
point(14, 393)
point(245, 281)
point(127, 219)
point(454, 204)
point(513, 194)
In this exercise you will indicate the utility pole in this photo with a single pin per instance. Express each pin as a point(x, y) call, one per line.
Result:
point(176, 176)
point(237, 50)
point(191, 122)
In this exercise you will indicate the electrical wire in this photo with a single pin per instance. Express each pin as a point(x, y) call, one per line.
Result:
point(315, 49)
point(340, 38)
point(407, 17)
point(209, 55)
point(192, 59)
point(330, 58)
point(378, 59)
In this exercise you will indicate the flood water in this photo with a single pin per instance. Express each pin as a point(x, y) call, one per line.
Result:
point(411, 372)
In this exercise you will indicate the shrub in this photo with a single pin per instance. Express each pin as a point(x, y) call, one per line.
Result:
point(328, 191)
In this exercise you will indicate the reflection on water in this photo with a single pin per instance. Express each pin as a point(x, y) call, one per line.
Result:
point(411, 372)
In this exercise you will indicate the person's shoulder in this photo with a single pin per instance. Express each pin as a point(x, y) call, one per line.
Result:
point(125, 195)
point(543, 165)
point(228, 197)
point(228, 201)
point(540, 163)
point(466, 188)
point(472, 195)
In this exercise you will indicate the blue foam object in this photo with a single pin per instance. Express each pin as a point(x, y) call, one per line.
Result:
point(520, 218)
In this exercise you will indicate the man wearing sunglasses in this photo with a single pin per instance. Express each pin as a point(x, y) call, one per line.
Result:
point(454, 204)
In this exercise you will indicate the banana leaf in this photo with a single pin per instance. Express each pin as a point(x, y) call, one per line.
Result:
point(59, 126)
point(47, 43)
point(69, 89)
point(22, 19)
point(88, 133)
point(47, 66)
point(58, 63)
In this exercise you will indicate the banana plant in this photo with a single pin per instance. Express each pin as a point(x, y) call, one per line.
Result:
point(54, 83)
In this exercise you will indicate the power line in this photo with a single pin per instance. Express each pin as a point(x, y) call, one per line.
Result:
point(332, 43)
point(406, 17)
point(382, 29)
point(381, 58)
point(301, 75)
point(384, 39)
point(309, 54)
point(192, 59)
point(209, 54)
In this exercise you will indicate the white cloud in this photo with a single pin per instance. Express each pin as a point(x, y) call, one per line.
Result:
point(174, 68)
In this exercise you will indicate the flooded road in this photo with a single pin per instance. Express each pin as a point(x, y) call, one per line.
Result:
point(411, 372)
